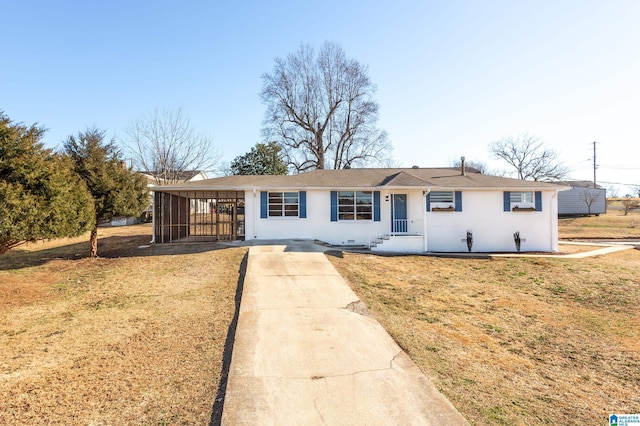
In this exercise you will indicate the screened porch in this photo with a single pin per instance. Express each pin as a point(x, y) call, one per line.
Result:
point(198, 216)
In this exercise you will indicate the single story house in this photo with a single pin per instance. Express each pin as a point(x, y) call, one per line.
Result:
point(582, 199)
point(411, 210)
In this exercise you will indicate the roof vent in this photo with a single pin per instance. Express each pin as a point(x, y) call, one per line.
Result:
point(415, 167)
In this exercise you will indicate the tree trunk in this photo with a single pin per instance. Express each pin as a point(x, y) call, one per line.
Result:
point(93, 242)
point(319, 147)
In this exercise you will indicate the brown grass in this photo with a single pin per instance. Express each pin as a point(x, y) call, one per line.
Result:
point(614, 225)
point(134, 337)
point(514, 341)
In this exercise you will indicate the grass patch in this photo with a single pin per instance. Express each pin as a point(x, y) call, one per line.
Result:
point(614, 224)
point(514, 341)
point(134, 337)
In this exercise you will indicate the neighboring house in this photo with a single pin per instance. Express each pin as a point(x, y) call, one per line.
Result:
point(582, 199)
point(401, 210)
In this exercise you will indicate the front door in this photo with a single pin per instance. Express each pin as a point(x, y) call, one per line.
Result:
point(399, 222)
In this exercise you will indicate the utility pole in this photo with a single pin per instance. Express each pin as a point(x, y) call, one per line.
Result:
point(594, 164)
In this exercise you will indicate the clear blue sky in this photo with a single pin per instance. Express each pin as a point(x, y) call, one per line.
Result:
point(452, 76)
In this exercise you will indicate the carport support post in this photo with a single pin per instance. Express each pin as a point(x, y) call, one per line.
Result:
point(153, 218)
point(425, 194)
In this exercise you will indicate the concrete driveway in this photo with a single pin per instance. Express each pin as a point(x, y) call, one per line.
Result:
point(307, 353)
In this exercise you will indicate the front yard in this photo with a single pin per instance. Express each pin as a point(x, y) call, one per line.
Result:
point(514, 341)
point(137, 336)
point(134, 337)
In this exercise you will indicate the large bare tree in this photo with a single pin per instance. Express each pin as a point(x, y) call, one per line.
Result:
point(529, 158)
point(321, 109)
point(164, 144)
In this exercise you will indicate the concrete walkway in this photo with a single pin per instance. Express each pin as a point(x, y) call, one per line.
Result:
point(306, 353)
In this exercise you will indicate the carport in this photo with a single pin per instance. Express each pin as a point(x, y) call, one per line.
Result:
point(198, 216)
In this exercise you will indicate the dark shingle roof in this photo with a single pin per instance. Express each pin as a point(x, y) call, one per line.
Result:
point(445, 178)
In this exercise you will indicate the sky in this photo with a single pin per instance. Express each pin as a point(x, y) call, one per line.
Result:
point(452, 76)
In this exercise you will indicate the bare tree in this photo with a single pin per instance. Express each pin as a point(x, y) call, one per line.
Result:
point(636, 189)
point(320, 108)
point(165, 145)
point(530, 158)
point(629, 204)
point(612, 191)
point(480, 166)
point(589, 196)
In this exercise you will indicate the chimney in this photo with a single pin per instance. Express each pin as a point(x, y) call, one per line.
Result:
point(462, 167)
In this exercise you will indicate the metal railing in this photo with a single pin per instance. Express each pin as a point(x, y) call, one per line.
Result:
point(400, 226)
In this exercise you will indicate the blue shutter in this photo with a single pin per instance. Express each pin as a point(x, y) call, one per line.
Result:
point(376, 206)
point(334, 206)
point(263, 204)
point(458, 195)
point(507, 200)
point(429, 202)
point(538, 196)
point(303, 204)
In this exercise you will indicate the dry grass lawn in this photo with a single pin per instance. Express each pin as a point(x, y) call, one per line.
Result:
point(137, 336)
point(514, 341)
point(134, 337)
point(614, 225)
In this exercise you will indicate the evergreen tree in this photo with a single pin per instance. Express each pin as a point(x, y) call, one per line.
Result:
point(40, 196)
point(116, 190)
point(263, 159)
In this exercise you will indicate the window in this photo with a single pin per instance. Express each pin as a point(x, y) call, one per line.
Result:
point(442, 197)
point(447, 201)
point(521, 199)
point(283, 204)
point(355, 205)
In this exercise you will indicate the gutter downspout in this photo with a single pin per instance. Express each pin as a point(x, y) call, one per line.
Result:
point(424, 220)
point(255, 236)
point(554, 229)
point(153, 218)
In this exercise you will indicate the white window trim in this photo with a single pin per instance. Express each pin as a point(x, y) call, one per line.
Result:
point(355, 206)
point(443, 205)
point(283, 217)
point(522, 204)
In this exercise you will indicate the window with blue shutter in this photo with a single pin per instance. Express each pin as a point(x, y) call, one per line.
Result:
point(334, 206)
point(507, 201)
point(264, 204)
point(458, 204)
point(376, 206)
point(538, 197)
point(303, 204)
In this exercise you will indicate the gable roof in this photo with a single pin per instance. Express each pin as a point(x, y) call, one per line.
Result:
point(181, 176)
point(579, 184)
point(390, 178)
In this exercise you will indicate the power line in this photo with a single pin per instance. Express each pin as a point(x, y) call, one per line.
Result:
point(619, 183)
